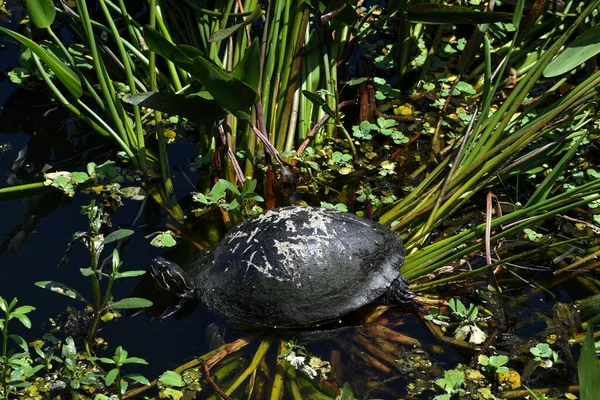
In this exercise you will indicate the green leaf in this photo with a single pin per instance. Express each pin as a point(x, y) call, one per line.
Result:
point(518, 14)
point(441, 14)
point(248, 69)
point(61, 71)
point(24, 320)
point(161, 46)
point(69, 351)
point(249, 186)
point(105, 360)
point(117, 235)
point(86, 271)
point(22, 310)
point(584, 47)
point(123, 387)
point(319, 102)
point(543, 190)
point(137, 378)
point(232, 94)
point(347, 393)
point(219, 189)
point(588, 369)
point(225, 33)
point(120, 355)
point(135, 360)
point(171, 378)
point(41, 12)
point(130, 274)
point(165, 239)
point(131, 302)
point(79, 177)
point(20, 342)
point(111, 376)
point(61, 288)
point(193, 107)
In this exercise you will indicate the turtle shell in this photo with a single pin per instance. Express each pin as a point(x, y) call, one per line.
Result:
point(294, 266)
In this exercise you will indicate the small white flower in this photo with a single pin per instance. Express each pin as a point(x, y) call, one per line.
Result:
point(295, 361)
point(312, 374)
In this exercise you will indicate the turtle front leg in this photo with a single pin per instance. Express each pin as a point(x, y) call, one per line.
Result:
point(174, 279)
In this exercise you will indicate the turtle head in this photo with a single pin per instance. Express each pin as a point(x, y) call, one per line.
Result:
point(172, 277)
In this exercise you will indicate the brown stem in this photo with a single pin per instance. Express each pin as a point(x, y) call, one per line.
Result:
point(314, 131)
point(212, 383)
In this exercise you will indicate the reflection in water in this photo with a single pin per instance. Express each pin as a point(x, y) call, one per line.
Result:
point(55, 143)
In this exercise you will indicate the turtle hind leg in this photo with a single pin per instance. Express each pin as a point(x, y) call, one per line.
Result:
point(399, 293)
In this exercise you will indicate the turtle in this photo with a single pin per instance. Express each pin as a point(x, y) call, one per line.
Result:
point(293, 267)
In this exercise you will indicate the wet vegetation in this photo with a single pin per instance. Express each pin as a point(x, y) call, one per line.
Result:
point(469, 128)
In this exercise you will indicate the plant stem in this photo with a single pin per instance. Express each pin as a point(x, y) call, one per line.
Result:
point(97, 297)
point(4, 357)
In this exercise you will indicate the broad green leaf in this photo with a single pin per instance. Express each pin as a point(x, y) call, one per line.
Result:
point(232, 94)
point(249, 186)
point(161, 46)
point(117, 235)
point(441, 14)
point(62, 72)
point(171, 378)
point(111, 376)
point(218, 191)
point(193, 107)
point(131, 302)
point(41, 12)
point(79, 177)
point(61, 288)
point(248, 69)
point(588, 369)
point(163, 239)
point(584, 47)
point(225, 33)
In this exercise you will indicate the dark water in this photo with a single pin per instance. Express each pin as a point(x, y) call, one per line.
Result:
point(35, 230)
